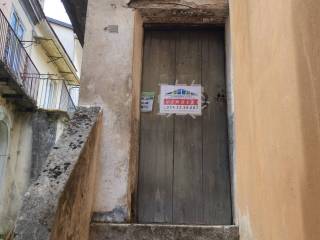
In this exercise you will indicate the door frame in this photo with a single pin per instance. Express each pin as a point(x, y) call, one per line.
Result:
point(139, 29)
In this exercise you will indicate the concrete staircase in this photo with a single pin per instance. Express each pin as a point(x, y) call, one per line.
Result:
point(103, 231)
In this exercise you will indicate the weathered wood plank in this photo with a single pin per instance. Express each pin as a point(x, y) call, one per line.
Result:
point(156, 145)
point(184, 167)
point(216, 179)
point(187, 185)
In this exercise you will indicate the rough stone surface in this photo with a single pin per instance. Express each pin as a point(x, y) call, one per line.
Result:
point(182, 12)
point(44, 131)
point(162, 232)
point(58, 205)
point(117, 215)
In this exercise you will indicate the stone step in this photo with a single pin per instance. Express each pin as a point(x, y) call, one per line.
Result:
point(104, 231)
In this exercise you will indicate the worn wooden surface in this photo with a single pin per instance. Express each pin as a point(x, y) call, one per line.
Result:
point(184, 169)
point(216, 179)
point(187, 194)
point(156, 145)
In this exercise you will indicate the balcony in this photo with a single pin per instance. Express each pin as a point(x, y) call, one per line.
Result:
point(54, 95)
point(19, 77)
point(21, 82)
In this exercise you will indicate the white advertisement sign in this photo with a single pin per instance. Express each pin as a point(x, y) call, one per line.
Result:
point(180, 99)
point(147, 99)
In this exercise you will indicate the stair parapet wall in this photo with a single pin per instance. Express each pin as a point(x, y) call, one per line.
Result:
point(59, 204)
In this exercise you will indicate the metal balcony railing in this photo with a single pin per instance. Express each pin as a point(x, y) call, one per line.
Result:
point(55, 95)
point(17, 61)
point(44, 93)
point(66, 102)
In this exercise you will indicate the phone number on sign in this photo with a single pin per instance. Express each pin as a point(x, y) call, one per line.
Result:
point(187, 102)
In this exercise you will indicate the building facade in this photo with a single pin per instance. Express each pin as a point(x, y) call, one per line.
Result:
point(73, 48)
point(39, 83)
point(155, 169)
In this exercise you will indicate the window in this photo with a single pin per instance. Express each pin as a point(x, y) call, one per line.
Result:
point(17, 25)
point(14, 48)
point(4, 142)
point(74, 93)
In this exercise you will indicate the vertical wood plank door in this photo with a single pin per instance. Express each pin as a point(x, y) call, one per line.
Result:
point(184, 167)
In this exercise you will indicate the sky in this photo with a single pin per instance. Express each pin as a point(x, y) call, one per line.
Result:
point(55, 9)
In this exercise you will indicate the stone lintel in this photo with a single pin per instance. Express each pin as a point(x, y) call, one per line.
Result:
point(182, 12)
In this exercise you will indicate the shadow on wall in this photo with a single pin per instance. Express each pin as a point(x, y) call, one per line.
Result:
point(306, 21)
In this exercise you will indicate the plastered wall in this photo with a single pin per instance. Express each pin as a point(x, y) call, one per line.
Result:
point(6, 7)
point(15, 176)
point(70, 43)
point(276, 52)
point(107, 82)
point(66, 37)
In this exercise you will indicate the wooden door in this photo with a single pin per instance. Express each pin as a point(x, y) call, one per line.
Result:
point(184, 167)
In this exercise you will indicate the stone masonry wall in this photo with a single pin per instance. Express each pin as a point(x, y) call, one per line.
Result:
point(44, 135)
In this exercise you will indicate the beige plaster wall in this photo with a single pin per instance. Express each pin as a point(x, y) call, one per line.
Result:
point(77, 58)
point(70, 43)
point(5, 6)
point(16, 174)
point(67, 38)
point(277, 95)
point(107, 82)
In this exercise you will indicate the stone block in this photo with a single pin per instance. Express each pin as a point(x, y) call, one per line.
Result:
point(101, 231)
